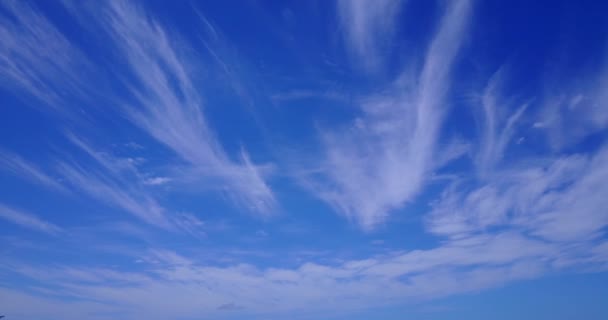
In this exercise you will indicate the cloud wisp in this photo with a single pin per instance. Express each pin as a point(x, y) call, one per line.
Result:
point(160, 97)
point(368, 29)
point(27, 220)
point(497, 128)
point(118, 182)
point(26, 170)
point(557, 198)
point(573, 110)
point(34, 54)
point(466, 264)
point(508, 210)
point(167, 105)
point(560, 200)
point(382, 160)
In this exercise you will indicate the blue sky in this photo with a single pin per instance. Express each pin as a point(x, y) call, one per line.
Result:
point(341, 159)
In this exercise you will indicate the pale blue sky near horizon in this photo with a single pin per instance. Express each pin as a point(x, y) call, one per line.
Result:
point(347, 159)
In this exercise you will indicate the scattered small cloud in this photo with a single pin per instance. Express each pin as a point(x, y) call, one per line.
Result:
point(157, 181)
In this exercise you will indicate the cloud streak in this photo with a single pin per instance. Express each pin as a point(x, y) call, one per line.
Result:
point(493, 218)
point(573, 110)
point(466, 264)
point(34, 54)
point(497, 129)
point(159, 94)
point(382, 160)
point(28, 171)
point(368, 29)
point(168, 106)
point(27, 220)
point(557, 198)
point(119, 183)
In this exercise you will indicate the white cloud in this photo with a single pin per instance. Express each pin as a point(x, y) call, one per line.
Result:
point(16, 305)
point(156, 181)
point(113, 180)
point(576, 210)
point(28, 171)
point(517, 221)
point(34, 54)
point(368, 28)
point(382, 160)
point(27, 220)
point(169, 108)
point(559, 198)
point(497, 127)
point(162, 97)
point(118, 182)
point(470, 263)
point(115, 192)
point(573, 110)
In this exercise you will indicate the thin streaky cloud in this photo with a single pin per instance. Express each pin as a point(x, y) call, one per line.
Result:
point(26, 170)
point(382, 160)
point(115, 166)
point(398, 192)
point(560, 201)
point(112, 192)
point(558, 198)
point(169, 108)
point(368, 28)
point(27, 220)
point(315, 288)
point(114, 181)
point(498, 127)
point(163, 100)
point(119, 183)
point(34, 54)
point(575, 107)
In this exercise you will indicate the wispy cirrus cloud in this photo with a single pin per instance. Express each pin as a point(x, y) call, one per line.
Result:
point(469, 263)
point(168, 105)
point(382, 160)
point(498, 221)
point(115, 192)
point(26, 170)
point(497, 127)
point(573, 110)
point(34, 54)
point(119, 183)
point(559, 198)
point(368, 28)
point(160, 96)
point(27, 220)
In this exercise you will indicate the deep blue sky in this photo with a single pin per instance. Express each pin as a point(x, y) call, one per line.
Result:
point(349, 159)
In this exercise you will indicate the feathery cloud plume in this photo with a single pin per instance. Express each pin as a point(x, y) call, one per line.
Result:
point(34, 54)
point(162, 97)
point(368, 28)
point(168, 107)
point(382, 160)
